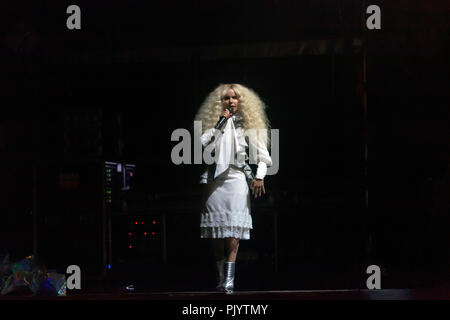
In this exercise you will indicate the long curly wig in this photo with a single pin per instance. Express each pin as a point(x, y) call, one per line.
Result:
point(251, 107)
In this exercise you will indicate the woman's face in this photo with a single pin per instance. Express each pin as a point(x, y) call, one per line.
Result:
point(231, 100)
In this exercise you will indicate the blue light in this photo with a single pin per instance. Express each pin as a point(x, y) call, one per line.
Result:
point(109, 266)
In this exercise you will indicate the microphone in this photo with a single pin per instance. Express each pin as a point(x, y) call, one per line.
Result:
point(223, 119)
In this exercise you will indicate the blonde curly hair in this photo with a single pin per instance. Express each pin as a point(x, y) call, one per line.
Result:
point(251, 107)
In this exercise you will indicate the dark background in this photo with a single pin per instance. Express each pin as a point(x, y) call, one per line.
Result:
point(137, 70)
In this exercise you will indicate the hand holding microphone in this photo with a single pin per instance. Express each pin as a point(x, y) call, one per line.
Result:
point(227, 113)
point(224, 117)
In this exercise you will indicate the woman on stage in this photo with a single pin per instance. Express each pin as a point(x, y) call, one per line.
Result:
point(241, 137)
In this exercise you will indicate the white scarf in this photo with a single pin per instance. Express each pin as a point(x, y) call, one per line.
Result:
point(226, 146)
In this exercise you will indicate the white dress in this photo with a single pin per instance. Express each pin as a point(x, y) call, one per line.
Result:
point(226, 206)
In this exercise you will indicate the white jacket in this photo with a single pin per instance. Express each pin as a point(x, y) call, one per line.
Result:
point(251, 148)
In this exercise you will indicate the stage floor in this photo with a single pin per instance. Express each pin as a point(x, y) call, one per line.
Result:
point(383, 294)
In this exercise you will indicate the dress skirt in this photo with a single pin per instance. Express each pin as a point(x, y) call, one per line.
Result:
point(226, 207)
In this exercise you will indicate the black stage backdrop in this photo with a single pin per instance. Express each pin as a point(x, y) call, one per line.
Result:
point(136, 71)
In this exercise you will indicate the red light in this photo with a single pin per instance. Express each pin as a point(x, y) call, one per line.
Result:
point(154, 222)
point(145, 233)
point(135, 222)
point(130, 234)
point(130, 247)
point(142, 222)
point(131, 174)
point(153, 233)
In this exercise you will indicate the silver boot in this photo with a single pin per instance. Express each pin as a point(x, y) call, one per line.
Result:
point(219, 274)
point(228, 283)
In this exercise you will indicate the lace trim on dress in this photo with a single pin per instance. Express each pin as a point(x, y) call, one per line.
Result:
point(225, 232)
point(228, 219)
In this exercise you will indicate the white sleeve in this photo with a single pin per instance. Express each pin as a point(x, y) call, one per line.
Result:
point(207, 136)
point(204, 177)
point(263, 157)
point(261, 171)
